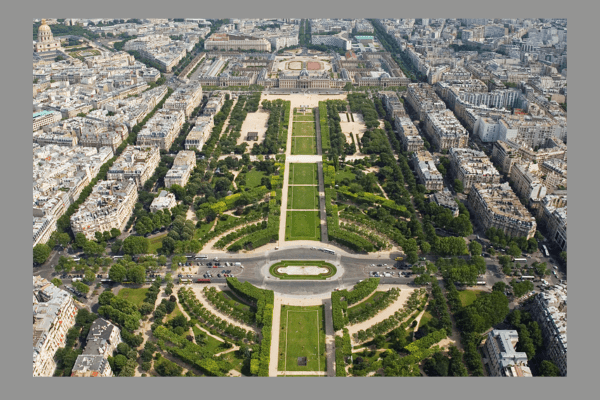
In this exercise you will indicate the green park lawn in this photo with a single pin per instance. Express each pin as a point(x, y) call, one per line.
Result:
point(303, 174)
point(253, 178)
point(303, 225)
point(468, 296)
point(136, 296)
point(302, 335)
point(303, 198)
point(303, 129)
point(332, 270)
point(155, 243)
point(345, 173)
point(304, 146)
point(176, 312)
point(203, 230)
point(300, 117)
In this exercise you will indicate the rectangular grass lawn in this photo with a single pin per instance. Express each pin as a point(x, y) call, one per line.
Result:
point(304, 146)
point(303, 225)
point(468, 296)
point(303, 198)
point(136, 296)
point(300, 117)
point(302, 335)
point(253, 178)
point(155, 243)
point(303, 174)
point(303, 129)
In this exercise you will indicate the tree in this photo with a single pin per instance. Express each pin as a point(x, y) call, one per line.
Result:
point(548, 368)
point(162, 260)
point(563, 256)
point(41, 252)
point(135, 245)
point(80, 240)
point(458, 186)
point(514, 250)
point(56, 282)
point(411, 257)
point(116, 246)
point(81, 287)
point(105, 297)
point(89, 276)
point(540, 269)
point(91, 248)
point(499, 286)
point(114, 232)
point(475, 248)
point(521, 288)
point(117, 273)
point(136, 274)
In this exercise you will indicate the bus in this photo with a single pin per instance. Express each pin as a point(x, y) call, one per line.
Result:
point(520, 260)
point(201, 257)
point(545, 250)
point(76, 259)
point(203, 281)
point(527, 278)
point(481, 282)
point(117, 257)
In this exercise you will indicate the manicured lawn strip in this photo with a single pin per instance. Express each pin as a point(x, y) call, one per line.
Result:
point(304, 146)
point(425, 319)
point(229, 298)
point(303, 198)
point(301, 118)
point(332, 270)
point(345, 173)
point(468, 296)
point(303, 174)
point(211, 344)
point(155, 243)
point(253, 178)
point(303, 225)
point(303, 129)
point(136, 296)
point(367, 303)
point(302, 335)
point(203, 230)
point(176, 312)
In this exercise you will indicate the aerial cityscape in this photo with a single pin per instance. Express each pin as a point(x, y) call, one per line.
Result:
point(299, 197)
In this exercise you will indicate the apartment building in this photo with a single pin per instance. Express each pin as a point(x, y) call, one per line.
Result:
point(215, 102)
point(101, 342)
point(43, 118)
point(553, 213)
point(108, 206)
point(331, 40)
point(186, 98)
point(445, 199)
point(495, 205)
point(165, 200)
point(502, 358)
point(200, 133)
point(445, 131)
point(472, 166)
point(135, 162)
point(162, 129)
point(526, 183)
point(423, 99)
point(554, 173)
point(224, 41)
point(98, 134)
point(426, 171)
point(53, 315)
point(549, 309)
point(408, 134)
point(180, 172)
point(42, 229)
point(393, 104)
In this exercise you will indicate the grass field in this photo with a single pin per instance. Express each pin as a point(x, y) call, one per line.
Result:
point(233, 301)
point(468, 296)
point(155, 243)
point(331, 267)
point(365, 304)
point(200, 232)
point(302, 335)
point(303, 174)
point(303, 225)
point(303, 198)
point(176, 312)
point(345, 173)
point(211, 344)
point(253, 178)
point(304, 146)
point(300, 117)
point(425, 319)
point(303, 129)
point(136, 296)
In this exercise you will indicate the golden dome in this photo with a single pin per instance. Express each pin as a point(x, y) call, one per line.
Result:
point(44, 27)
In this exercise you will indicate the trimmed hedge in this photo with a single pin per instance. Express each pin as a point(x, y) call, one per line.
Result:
point(427, 341)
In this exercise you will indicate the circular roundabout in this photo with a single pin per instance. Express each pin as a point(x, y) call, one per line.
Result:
point(302, 270)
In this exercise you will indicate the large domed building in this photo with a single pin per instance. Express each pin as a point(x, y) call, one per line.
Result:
point(46, 41)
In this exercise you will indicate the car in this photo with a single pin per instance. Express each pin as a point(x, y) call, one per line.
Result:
point(555, 267)
point(380, 265)
point(218, 275)
point(179, 275)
